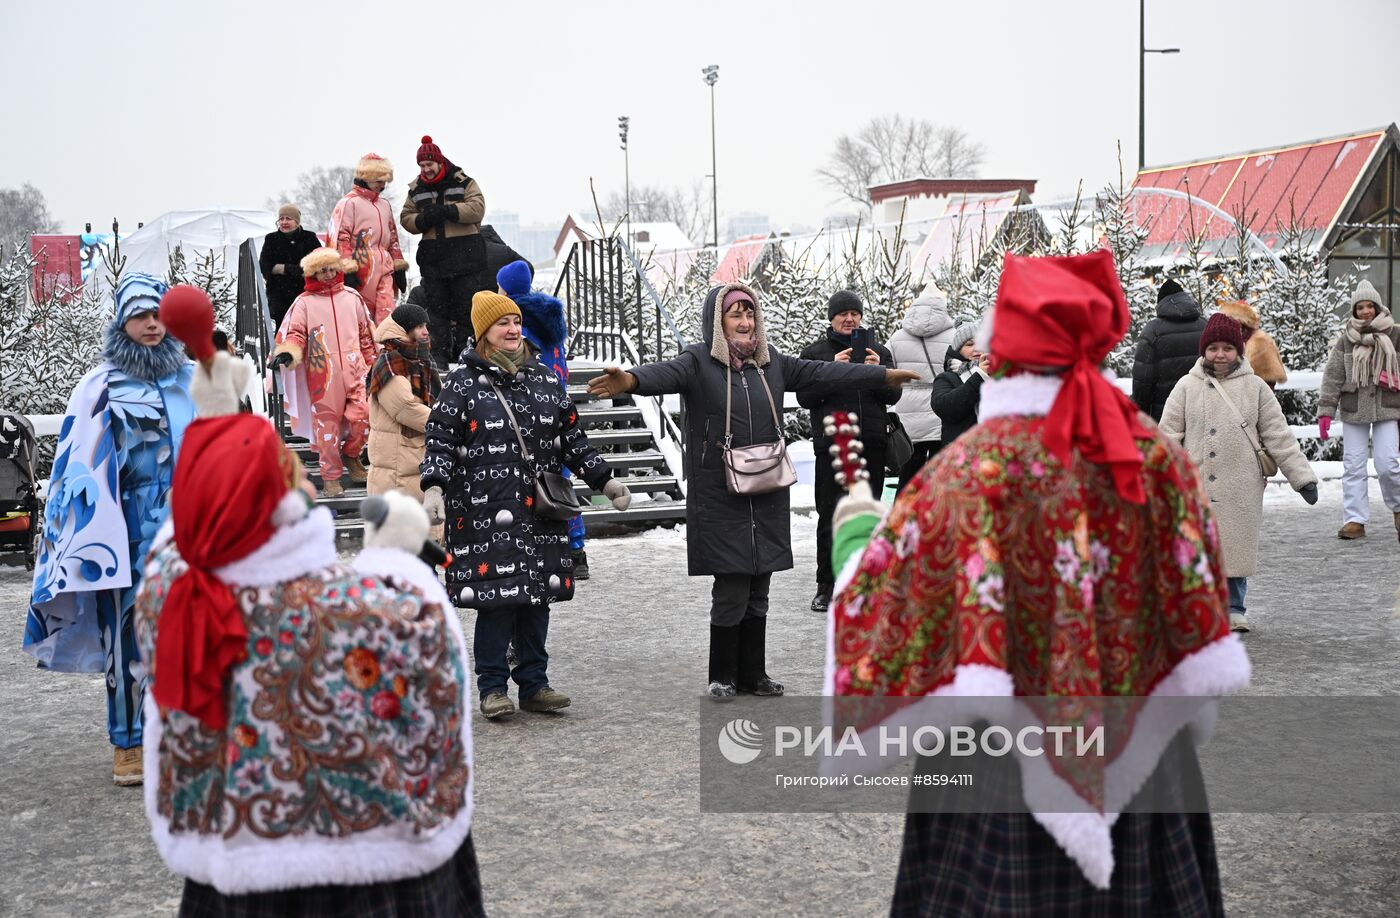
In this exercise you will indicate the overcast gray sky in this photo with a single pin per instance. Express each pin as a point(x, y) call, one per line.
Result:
point(132, 108)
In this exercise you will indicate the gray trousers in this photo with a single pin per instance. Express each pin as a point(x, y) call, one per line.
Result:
point(735, 597)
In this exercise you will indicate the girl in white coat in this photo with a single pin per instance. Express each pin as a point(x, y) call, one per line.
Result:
point(1219, 411)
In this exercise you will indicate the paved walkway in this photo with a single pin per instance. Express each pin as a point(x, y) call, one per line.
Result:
point(597, 811)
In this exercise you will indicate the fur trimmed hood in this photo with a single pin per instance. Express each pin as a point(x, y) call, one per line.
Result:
point(1260, 349)
point(374, 168)
point(712, 324)
point(543, 318)
point(326, 257)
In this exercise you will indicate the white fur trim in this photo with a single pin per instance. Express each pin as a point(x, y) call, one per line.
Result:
point(1025, 395)
point(305, 546)
point(245, 865)
point(1219, 668)
point(291, 508)
point(405, 527)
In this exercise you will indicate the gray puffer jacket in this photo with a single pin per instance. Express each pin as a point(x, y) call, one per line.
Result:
point(730, 533)
point(921, 344)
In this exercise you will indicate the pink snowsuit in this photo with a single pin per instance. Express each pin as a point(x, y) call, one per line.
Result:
point(363, 228)
point(329, 335)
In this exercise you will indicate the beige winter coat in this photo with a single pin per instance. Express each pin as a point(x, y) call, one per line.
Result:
point(1198, 418)
point(396, 422)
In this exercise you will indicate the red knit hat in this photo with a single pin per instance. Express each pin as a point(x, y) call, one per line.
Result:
point(1070, 312)
point(1220, 327)
point(231, 476)
point(430, 150)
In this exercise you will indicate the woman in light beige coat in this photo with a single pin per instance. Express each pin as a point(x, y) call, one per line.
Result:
point(402, 386)
point(1199, 417)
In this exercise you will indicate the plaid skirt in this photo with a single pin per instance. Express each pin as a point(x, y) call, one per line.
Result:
point(452, 889)
point(1006, 864)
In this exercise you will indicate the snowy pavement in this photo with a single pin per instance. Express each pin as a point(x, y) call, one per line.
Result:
point(596, 811)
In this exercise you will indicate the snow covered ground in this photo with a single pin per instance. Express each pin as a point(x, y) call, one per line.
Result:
point(596, 811)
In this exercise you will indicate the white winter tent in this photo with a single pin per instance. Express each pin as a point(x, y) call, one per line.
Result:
point(218, 229)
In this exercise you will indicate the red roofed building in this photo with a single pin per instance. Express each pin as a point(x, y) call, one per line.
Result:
point(1345, 190)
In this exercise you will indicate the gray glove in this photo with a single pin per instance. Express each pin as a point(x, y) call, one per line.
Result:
point(617, 492)
point(434, 506)
point(1309, 493)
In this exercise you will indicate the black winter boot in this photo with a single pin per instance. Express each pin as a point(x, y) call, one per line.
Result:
point(753, 679)
point(724, 662)
point(580, 564)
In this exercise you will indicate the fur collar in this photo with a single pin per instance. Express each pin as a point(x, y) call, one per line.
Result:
point(1025, 394)
point(139, 361)
point(543, 317)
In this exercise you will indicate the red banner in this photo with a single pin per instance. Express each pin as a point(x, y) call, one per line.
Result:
point(58, 269)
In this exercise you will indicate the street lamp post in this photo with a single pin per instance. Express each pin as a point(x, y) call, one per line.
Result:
point(711, 78)
point(622, 123)
point(1143, 51)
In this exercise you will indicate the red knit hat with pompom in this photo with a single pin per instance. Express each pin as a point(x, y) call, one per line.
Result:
point(430, 150)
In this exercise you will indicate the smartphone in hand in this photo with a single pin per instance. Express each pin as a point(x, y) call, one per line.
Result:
point(860, 341)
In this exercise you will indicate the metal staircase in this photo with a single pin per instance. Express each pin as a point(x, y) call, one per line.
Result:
point(615, 316)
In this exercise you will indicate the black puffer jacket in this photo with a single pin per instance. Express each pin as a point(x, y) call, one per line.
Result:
point(955, 400)
point(870, 407)
point(286, 249)
point(1167, 349)
point(504, 555)
point(727, 533)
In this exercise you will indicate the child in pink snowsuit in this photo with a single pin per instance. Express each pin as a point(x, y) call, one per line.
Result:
point(328, 331)
point(363, 228)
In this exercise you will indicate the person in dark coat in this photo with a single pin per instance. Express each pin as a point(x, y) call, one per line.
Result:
point(957, 392)
point(280, 261)
point(737, 539)
point(445, 206)
point(844, 310)
point(1167, 349)
point(507, 563)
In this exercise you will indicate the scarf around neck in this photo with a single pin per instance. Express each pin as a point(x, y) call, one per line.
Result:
point(411, 360)
point(510, 361)
point(740, 352)
point(315, 286)
point(1372, 351)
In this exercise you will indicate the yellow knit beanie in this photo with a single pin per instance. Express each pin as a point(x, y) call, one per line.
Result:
point(487, 309)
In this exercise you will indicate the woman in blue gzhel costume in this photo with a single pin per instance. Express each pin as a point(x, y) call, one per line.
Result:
point(108, 494)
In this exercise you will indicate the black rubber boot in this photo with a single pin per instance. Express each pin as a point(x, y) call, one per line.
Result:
point(753, 679)
point(724, 662)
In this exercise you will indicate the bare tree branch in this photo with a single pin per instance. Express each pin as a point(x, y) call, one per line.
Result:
point(890, 147)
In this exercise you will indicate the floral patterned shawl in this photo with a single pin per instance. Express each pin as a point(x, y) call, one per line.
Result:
point(1003, 572)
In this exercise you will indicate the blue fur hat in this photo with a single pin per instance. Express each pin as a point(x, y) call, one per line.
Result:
point(515, 279)
point(137, 293)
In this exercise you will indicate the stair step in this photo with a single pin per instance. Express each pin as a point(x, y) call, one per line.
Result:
point(579, 393)
point(581, 373)
point(631, 462)
point(592, 417)
point(637, 484)
point(647, 513)
point(619, 437)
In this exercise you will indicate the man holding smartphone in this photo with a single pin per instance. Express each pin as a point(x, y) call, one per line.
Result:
point(845, 341)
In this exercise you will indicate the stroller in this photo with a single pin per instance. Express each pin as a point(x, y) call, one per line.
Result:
point(19, 497)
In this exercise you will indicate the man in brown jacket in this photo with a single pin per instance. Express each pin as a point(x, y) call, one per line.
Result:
point(445, 206)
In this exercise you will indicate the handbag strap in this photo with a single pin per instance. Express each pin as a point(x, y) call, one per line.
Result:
point(729, 404)
point(524, 451)
point(1244, 425)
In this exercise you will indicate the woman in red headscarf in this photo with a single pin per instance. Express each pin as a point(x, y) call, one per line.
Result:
point(1062, 548)
point(307, 717)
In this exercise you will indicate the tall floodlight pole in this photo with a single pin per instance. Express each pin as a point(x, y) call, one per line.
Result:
point(711, 78)
point(622, 122)
point(1143, 51)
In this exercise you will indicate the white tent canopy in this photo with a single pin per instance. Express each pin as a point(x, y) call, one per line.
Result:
point(218, 229)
